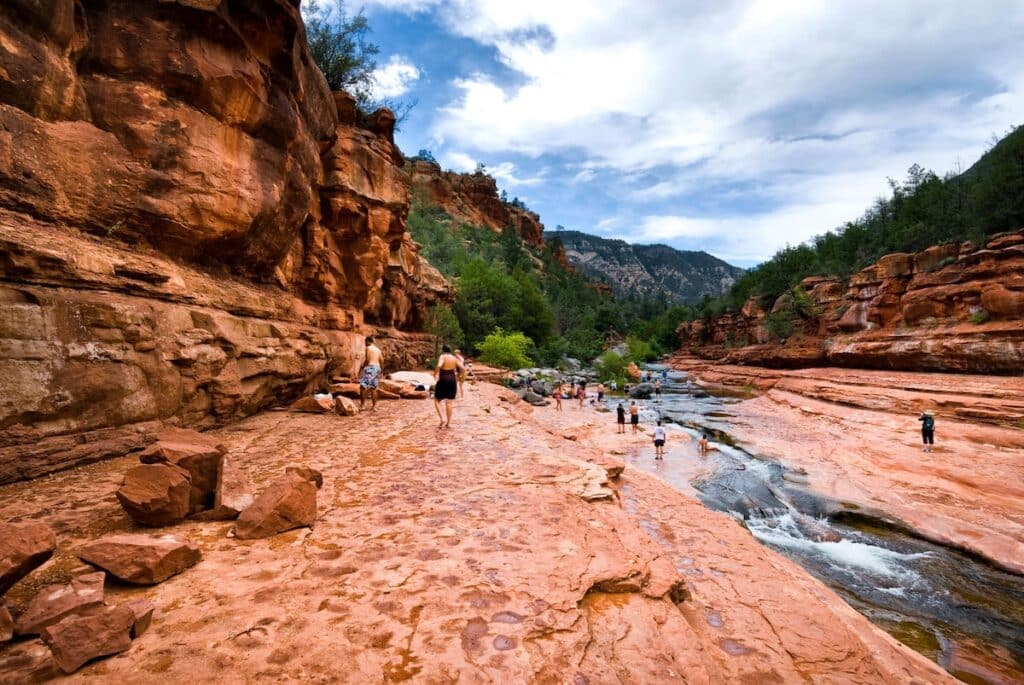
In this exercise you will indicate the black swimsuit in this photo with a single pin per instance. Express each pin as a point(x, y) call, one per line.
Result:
point(447, 385)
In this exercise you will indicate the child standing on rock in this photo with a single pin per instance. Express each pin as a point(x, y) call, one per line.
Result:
point(659, 441)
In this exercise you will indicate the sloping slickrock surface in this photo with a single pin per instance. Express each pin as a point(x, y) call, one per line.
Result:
point(856, 435)
point(470, 555)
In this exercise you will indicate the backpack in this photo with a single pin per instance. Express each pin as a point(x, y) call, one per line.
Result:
point(929, 423)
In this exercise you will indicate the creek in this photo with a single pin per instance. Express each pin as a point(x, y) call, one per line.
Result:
point(957, 610)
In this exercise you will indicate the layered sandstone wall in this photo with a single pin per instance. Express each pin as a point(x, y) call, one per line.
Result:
point(953, 307)
point(474, 198)
point(192, 226)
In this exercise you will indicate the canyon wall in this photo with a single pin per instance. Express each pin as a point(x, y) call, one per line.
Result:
point(953, 307)
point(473, 198)
point(192, 226)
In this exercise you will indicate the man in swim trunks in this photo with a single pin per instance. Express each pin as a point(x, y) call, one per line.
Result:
point(620, 412)
point(634, 415)
point(371, 374)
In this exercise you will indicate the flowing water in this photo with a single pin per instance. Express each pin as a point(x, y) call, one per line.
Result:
point(959, 611)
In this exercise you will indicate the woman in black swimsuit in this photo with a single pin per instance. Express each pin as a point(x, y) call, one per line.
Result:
point(446, 384)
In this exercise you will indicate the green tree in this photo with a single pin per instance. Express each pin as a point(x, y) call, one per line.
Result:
point(506, 350)
point(442, 323)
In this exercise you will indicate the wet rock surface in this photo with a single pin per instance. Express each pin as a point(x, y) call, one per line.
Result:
point(467, 551)
point(140, 559)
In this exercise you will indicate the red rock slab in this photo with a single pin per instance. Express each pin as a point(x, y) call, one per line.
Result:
point(141, 559)
point(234, 491)
point(79, 639)
point(142, 609)
point(314, 405)
point(345, 406)
point(289, 502)
point(347, 389)
point(196, 453)
point(156, 494)
point(55, 602)
point(23, 547)
point(6, 624)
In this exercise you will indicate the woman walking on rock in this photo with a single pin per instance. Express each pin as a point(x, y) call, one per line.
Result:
point(446, 385)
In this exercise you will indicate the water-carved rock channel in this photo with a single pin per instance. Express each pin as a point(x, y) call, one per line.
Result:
point(958, 610)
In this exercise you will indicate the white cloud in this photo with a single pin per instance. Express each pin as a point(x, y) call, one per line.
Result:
point(505, 173)
point(458, 161)
point(394, 78)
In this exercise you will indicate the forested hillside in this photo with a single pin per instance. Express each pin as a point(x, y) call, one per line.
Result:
point(647, 270)
point(922, 210)
point(505, 284)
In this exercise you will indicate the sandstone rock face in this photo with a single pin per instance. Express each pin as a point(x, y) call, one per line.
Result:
point(79, 639)
point(194, 453)
point(140, 559)
point(23, 547)
point(6, 624)
point(53, 603)
point(189, 231)
point(142, 609)
point(156, 494)
point(951, 307)
point(289, 502)
point(473, 198)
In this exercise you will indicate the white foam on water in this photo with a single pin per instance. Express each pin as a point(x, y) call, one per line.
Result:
point(849, 554)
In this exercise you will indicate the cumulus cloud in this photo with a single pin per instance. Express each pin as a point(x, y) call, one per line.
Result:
point(394, 78)
point(744, 124)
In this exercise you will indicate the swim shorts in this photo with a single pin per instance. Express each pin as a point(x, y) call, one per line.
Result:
point(371, 376)
point(659, 443)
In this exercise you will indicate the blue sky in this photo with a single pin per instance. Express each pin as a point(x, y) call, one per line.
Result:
point(734, 126)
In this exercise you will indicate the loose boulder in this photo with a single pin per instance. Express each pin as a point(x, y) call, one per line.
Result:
point(84, 595)
point(289, 502)
point(141, 559)
point(23, 547)
point(308, 473)
point(156, 494)
point(142, 609)
point(346, 388)
point(344, 406)
point(80, 639)
point(194, 452)
point(234, 492)
point(641, 391)
point(314, 404)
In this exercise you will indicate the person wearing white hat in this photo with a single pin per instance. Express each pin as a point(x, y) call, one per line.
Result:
point(927, 420)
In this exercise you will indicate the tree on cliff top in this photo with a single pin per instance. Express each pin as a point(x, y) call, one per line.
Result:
point(340, 46)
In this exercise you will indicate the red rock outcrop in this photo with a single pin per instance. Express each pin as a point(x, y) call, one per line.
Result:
point(953, 307)
point(473, 198)
point(192, 226)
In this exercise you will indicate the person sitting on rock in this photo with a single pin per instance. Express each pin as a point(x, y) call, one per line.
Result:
point(927, 420)
point(704, 445)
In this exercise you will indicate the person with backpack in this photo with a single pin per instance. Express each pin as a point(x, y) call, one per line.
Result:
point(927, 420)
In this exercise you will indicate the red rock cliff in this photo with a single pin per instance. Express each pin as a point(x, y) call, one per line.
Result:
point(953, 307)
point(473, 198)
point(192, 227)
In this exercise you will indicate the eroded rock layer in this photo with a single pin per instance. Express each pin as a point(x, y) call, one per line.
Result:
point(192, 226)
point(474, 198)
point(953, 307)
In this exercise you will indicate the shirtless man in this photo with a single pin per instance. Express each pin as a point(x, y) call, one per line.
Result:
point(371, 374)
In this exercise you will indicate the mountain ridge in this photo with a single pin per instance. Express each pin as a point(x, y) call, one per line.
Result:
point(647, 270)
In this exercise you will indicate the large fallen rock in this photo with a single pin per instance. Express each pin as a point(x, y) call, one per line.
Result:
point(194, 452)
point(289, 502)
point(6, 623)
point(346, 388)
point(156, 494)
point(141, 559)
point(79, 639)
point(314, 404)
point(424, 378)
point(234, 492)
point(23, 547)
point(84, 595)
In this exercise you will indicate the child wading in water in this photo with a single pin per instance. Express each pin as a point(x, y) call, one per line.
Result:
point(659, 441)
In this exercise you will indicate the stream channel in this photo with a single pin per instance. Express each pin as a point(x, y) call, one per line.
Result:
point(959, 611)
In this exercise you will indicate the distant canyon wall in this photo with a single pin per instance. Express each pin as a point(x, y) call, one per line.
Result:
point(192, 226)
point(954, 307)
point(473, 198)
